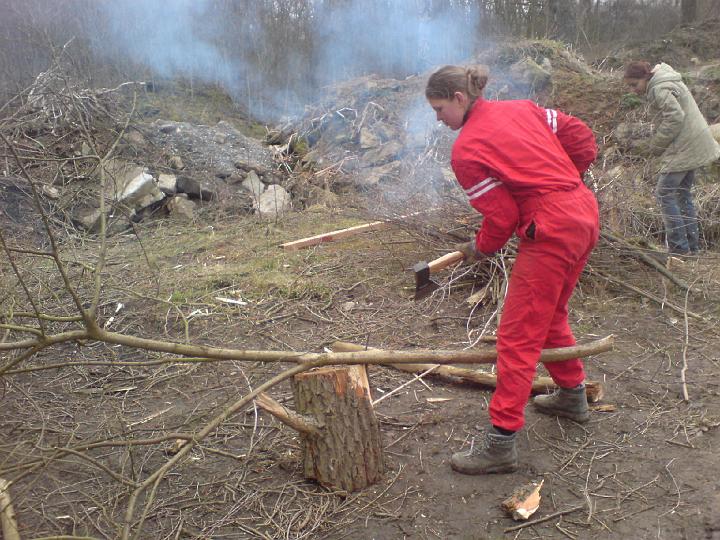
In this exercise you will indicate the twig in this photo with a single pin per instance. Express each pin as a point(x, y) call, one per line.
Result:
point(7, 514)
point(647, 294)
point(649, 261)
point(686, 343)
point(546, 518)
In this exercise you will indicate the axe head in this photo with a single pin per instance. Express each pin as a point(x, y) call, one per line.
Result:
point(424, 286)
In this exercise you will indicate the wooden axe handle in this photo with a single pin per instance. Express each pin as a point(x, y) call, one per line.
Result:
point(446, 260)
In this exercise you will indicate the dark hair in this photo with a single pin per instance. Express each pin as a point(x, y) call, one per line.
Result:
point(638, 70)
point(447, 80)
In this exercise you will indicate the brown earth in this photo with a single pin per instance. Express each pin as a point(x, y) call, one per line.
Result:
point(645, 468)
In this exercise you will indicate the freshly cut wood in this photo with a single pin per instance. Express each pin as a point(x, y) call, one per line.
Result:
point(607, 407)
point(337, 423)
point(524, 501)
point(541, 385)
point(335, 235)
point(8, 521)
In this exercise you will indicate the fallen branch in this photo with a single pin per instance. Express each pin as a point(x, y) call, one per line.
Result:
point(646, 259)
point(648, 295)
point(476, 356)
point(7, 514)
point(541, 385)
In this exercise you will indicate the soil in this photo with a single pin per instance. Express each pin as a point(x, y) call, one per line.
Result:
point(639, 471)
point(84, 422)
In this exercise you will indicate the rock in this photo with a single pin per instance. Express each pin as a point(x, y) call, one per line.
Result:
point(387, 132)
point(368, 139)
point(167, 183)
point(140, 192)
point(85, 149)
point(220, 138)
point(313, 158)
point(527, 72)
point(374, 176)
point(318, 196)
point(50, 192)
point(149, 199)
point(382, 154)
point(628, 133)
point(710, 73)
point(135, 138)
point(273, 202)
point(176, 163)
point(546, 64)
point(247, 167)
point(169, 128)
point(180, 207)
point(253, 185)
point(574, 63)
point(123, 178)
point(222, 175)
point(87, 217)
point(196, 189)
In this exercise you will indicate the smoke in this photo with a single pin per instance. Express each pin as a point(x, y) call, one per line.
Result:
point(278, 53)
point(392, 38)
point(166, 36)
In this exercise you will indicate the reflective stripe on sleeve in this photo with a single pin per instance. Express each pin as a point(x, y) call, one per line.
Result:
point(481, 188)
point(552, 119)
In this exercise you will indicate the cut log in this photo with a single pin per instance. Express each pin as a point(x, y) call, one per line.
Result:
point(335, 235)
point(347, 454)
point(8, 522)
point(541, 385)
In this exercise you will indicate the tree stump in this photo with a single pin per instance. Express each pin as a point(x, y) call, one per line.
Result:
point(345, 451)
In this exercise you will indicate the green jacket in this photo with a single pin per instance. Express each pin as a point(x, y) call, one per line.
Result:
point(682, 138)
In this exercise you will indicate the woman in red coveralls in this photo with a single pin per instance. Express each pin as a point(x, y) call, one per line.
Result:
point(521, 167)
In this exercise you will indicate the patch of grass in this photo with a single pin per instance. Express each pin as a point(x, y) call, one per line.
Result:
point(242, 255)
point(630, 101)
point(199, 104)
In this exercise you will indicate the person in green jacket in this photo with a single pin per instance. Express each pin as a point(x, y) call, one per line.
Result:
point(683, 143)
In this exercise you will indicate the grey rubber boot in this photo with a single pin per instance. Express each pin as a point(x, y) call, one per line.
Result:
point(495, 454)
point(567, 402)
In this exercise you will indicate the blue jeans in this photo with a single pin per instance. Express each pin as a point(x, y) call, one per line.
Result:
point(675, 198)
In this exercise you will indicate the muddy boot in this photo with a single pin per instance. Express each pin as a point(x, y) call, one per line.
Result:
point(495, 454)
point(567, 402)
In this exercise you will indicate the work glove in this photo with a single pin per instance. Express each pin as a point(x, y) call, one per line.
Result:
point(471, 254)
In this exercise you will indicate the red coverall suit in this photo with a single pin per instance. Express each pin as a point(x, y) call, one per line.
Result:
point(512, 162)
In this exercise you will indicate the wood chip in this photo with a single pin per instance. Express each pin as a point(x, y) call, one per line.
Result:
point(524, 501)
point(603, 408)
point(438, 399)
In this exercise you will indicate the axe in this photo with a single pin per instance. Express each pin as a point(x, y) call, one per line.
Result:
point(423, 284)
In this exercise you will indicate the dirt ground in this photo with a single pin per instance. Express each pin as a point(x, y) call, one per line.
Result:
point(643, 470)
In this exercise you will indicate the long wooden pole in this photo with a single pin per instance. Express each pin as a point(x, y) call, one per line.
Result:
point(594, 389)
point(334, 235)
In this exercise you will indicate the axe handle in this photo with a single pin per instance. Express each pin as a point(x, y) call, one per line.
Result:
point(446, 260)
